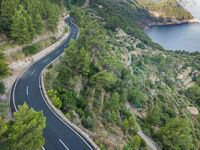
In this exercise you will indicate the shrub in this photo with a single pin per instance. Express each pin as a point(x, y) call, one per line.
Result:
point(88, 122)
point(30, 50)
point(140, 45)
point(2, 88)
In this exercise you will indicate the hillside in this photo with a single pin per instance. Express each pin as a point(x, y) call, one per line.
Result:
point(26, 27)
point(167, 9)
point(114, 81)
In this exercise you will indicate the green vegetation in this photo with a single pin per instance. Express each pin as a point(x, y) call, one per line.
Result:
point(125, 15)
point(89, 83)
point(166, 9)
point(4, 71)
point(194, 92)
point(54, 98)
point(109, 82)
point(3, 66)
point(177, 134)
point(24, 131)
point(135, 143)
point(22, 20)
point(30, 50)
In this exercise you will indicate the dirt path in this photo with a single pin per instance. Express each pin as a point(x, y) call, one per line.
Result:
point(150, 143)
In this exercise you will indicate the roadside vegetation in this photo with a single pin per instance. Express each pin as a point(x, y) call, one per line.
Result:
point(4, 71)
point(89, 86)
point(25, 131)
point(23, 20)
point(20, 22)
point(112, 81)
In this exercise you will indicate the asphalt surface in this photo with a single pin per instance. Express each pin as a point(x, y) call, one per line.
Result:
point(58, 135)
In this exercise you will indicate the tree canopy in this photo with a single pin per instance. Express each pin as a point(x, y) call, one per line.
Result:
point(22, 20)
point(177, 135)
point(25, 131)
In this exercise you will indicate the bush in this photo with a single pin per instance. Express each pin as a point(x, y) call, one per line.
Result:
point(54, 98)
point(4, 108)
point(140, 45)
point(2, 88)
point(88, 123)
point(30, 50)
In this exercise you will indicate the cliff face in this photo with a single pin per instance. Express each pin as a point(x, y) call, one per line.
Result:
point(166, 12)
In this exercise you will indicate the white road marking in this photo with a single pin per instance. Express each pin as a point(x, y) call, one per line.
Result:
point(45, 60)
point(33, 72)
point(57, 52)
point(43, 148)
point(63, 144)
point(27, 90)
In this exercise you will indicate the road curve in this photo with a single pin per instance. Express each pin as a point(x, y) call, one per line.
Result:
point(58, 135)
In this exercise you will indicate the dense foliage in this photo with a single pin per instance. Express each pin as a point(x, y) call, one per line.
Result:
point(90, 84)
point(3, 72)
point(25, 131)
point(114, 77)
point(23, 19)
point(176, 134)
point(104, 81)
point(124, 15)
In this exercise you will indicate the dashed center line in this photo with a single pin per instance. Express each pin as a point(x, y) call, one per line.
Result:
point(63, 144)
point(27, 90)
point(45, 60)
point(57, 52)
point(33, 72)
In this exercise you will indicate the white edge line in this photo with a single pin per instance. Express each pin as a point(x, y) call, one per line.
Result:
point(53, 110)
point(43, 148)
point(57, 52)
point(13, 95)
point(60, 117)
point(15, 84)
point(63, 144)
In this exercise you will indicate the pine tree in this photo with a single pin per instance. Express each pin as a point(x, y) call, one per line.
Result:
point(38, 23)
point(3, 72)
point(154, 116)
point(7, 10)
point(20, 28)
point(3, 129)
point(3, 66)
point(26, 131)
point(53, 16)
point(177, 135)
point(31, 29)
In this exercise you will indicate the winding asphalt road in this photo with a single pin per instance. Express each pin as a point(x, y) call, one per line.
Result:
point(58, 135)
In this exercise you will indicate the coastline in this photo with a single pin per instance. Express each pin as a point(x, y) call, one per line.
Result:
point(170, 22)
